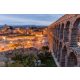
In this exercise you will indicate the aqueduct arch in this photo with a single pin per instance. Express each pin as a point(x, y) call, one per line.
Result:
point(75, 35)
point(66, 32)
point(72, 60)
point(61, 31)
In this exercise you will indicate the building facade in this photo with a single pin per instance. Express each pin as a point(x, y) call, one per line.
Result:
point(64, 40)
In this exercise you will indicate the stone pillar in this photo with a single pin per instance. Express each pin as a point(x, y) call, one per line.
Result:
point(66, 60)
point(78, 61)
point(60, 56)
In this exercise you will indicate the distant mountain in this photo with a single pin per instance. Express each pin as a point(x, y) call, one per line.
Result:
point(24, 26)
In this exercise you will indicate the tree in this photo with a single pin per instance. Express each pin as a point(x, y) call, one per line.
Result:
point(45, 48)
point(25, 59)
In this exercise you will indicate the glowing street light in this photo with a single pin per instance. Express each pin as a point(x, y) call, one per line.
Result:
point(11, 42)
point(4, 38)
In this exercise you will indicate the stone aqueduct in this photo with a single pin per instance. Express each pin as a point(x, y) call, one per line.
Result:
point(64, 40)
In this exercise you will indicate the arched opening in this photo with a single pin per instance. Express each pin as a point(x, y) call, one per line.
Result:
point(54, 45)
point(66, 32)
point(56, 48)
point(58, 30)
point(63, 57)
point(72, 60)
point(59, 52)
point(55, 31)
point(75, 35)
point(61, 31)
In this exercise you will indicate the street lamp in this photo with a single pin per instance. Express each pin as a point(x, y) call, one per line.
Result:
point(4, 38)
point(11, 42)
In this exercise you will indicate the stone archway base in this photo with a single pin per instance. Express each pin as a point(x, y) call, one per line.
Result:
point(55, 59)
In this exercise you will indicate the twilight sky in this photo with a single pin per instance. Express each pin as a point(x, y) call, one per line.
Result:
point(28, 19)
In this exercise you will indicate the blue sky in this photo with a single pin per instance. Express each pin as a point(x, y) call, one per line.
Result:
point(28, 19)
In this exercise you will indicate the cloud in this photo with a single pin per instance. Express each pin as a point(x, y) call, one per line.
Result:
point(15, 20)
point(41, 19)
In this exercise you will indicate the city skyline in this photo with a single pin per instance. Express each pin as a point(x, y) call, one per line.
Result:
point(28, 19)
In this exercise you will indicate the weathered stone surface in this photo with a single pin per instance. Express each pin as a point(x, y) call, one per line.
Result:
point(65, 32)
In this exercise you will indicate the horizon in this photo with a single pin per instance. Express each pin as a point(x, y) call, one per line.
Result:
point(29, 19)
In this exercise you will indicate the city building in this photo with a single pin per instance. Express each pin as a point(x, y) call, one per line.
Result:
point(19, 37)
